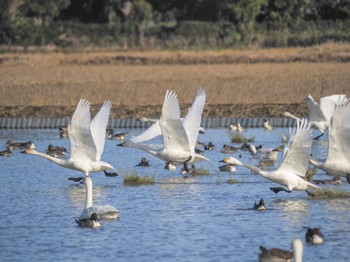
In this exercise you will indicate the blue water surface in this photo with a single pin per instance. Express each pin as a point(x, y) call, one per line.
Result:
point(199, 218)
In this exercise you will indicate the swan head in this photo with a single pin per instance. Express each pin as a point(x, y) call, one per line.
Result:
point(30, 149)
point(232, 161)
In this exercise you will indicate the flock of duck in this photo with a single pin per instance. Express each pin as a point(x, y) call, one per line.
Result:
point(180, 147)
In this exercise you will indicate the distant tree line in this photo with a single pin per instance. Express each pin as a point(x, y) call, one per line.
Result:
point(173, 23)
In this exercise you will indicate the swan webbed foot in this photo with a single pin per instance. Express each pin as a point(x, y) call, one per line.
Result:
point(278, 189)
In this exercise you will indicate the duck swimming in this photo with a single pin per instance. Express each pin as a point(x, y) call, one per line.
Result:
point(91, 222)
point(335, 181)
point(19, 145)
point(314, 236)
point(260, 206)
point(7, 151)
point(144, 162)
point(279, 255)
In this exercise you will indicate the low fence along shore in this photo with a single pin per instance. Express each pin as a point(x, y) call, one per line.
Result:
point(210, 122)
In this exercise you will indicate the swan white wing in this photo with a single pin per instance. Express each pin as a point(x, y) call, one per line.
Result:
point(315, 112)
point(193, 119)
point(151, 132)
point(98, 128)
point(82, 143)
point(328, 103)
point(297, 152)
point(174, 134)
point(339, 134)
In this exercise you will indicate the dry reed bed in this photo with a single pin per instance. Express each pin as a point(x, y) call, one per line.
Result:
point(59, 80)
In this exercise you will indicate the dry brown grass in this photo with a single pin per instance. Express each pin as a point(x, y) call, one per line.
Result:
point(139, 79)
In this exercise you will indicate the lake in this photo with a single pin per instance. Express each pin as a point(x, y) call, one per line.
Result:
point(198, 218)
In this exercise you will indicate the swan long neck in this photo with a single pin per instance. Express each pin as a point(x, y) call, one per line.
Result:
point(287, 114)
point(88, 188)
point(253, 168)
point(297, 250)
point(60, 162)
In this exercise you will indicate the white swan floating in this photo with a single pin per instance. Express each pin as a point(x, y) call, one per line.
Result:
point(87, 140)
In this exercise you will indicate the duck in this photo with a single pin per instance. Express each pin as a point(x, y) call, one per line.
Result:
point(170, 166)
point(179, 136)
point(198, 151)
point(249, 147)
point(237, 127)
point(18, 145)
point(63, 131)
point(266, 154)
point(7, 151)
point(210, 146)
point(56, 151)
point(278, 254)
point(144, 162)
point(293, 166)
point(319, 114)
point(87, 140)
point(227, 168)
point(77, 179)
point(260, 206)
point(314, 236)
point(226, 149)
point(91, 222)
point(267, 125)
point(116, 136)
point(337, 162)
point(335, 181)
point(110, 174)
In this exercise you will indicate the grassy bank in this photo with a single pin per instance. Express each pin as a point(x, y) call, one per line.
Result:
point(136, 81)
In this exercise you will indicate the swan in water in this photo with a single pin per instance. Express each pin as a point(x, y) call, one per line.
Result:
point(179, 136)
point(294, 163)
point(192, 114)
point(338, 158)
point(320, 113)
point(87, 140)
point(277, 254)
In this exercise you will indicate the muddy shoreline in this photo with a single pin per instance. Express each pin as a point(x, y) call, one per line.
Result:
point(154, 111)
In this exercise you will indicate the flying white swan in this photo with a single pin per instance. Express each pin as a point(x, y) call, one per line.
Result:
point(155, 130)
point(179, 137)
point(294, 163)
point(320, 113)
point(338, 158)
point(87, 140)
